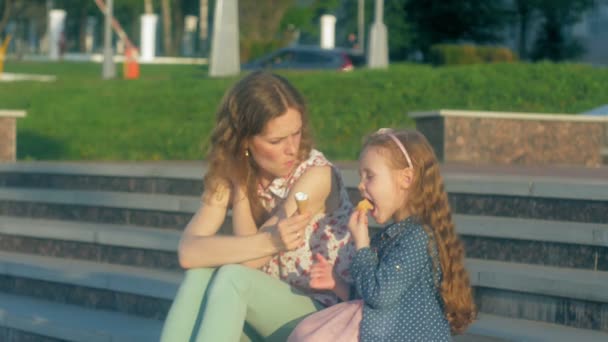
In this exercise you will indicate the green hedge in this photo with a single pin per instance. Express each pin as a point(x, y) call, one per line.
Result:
point(169, 112)
point(450, 54)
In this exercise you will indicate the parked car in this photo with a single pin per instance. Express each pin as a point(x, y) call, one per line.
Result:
point(308, 58)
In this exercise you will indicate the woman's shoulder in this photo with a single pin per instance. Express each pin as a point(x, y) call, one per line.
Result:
point(315, 159)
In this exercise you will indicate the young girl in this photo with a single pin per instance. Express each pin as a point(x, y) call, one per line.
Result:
point(410, 278)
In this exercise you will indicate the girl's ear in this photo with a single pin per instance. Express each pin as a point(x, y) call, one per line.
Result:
point(406, 177)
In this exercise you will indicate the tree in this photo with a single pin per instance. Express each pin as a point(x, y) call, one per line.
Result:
point(260, 26)
point(453, 21)
point(148, 7)
point(166, 13)
point(552, 42)
point(524, 10)
point(5, 8)
point(305, 19)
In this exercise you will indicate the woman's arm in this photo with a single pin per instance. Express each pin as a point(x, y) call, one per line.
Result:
point(284, 230)
point(322, 190)
point(317, 182)
point(243, 224)
point(201, 247)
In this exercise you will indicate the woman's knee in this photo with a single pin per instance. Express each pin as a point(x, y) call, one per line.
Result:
point(232, 276)
point(196, 280)
point(198, 274)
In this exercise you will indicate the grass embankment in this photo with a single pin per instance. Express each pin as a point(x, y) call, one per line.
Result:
point(169, 112)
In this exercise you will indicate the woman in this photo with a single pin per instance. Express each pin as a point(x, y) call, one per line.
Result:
point(260, 156)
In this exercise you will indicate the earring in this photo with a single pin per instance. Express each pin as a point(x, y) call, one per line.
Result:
point(246, 153)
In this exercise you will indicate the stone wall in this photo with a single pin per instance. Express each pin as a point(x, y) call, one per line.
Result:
point(8, 134)
point(515, 138)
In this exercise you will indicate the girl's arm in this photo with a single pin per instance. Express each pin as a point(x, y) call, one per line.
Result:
point(381, 283)
point(323, 277)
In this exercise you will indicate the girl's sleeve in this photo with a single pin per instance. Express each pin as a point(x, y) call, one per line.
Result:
point(380, 283)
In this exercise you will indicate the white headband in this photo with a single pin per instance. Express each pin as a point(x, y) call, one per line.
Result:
point(388, 132)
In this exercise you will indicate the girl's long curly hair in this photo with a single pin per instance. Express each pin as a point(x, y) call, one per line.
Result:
point(428, 201)
point(243, 113)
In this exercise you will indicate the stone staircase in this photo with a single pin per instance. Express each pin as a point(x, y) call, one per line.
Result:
point(87, 250)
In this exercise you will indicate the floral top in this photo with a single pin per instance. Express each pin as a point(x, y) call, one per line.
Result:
point(327, 234)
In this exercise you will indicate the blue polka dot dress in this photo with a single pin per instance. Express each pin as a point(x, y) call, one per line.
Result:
point(395, 279)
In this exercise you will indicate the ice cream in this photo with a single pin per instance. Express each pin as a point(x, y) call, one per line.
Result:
point(301, 201)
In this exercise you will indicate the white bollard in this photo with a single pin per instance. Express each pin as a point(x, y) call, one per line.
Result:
point(225, 56)
point(328, 31)
point(148, 37)
point(55, 30)
point(189, 35)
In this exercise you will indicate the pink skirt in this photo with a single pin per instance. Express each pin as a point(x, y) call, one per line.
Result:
point(337, 323)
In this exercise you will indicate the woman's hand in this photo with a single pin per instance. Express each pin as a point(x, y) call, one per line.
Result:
point(321, 274)
point(358, 227)
point(288, 233)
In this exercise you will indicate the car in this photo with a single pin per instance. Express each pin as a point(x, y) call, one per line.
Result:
point(308, 58)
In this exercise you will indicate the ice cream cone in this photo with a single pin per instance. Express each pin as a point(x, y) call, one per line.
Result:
point(301, 201)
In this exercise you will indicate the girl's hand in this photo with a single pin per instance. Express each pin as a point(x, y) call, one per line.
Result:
point(288, 233)
point(358, 227)
point(322, 275)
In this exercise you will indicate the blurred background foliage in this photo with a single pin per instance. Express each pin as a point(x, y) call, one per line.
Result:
point(414, 26)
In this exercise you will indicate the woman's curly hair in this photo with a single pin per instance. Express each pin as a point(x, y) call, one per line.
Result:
point(243, 113)
point(428, 201)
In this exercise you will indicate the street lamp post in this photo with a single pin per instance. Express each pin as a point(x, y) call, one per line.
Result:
point(361, 25)
point(378, 44)
point(109, 70)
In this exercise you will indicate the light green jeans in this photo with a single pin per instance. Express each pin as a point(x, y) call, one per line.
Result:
point(234, 303)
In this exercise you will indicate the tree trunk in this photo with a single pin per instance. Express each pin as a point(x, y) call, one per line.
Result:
point(148, 8)
point(5, 15)
point(178, 28)
point(167, 39)
point(82, 30)
point(203, 27)
point(524, 12)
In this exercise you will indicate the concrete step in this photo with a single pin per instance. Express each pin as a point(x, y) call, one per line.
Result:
point(106, 243)
point(131, 236)
point(152, 210)
point(509, 329)
point(591, 234)
point(550, 281)
point(571, 196)
point(512, 288)
point(158, 202)
point(141, 183)
point(131, 290)
point(570, 297)
point(119, 278)
point(554, 182)
point(542, 242)
point(552, 243)
point(74, 323)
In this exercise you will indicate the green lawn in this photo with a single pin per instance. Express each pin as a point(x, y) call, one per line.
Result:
point(168, 113)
